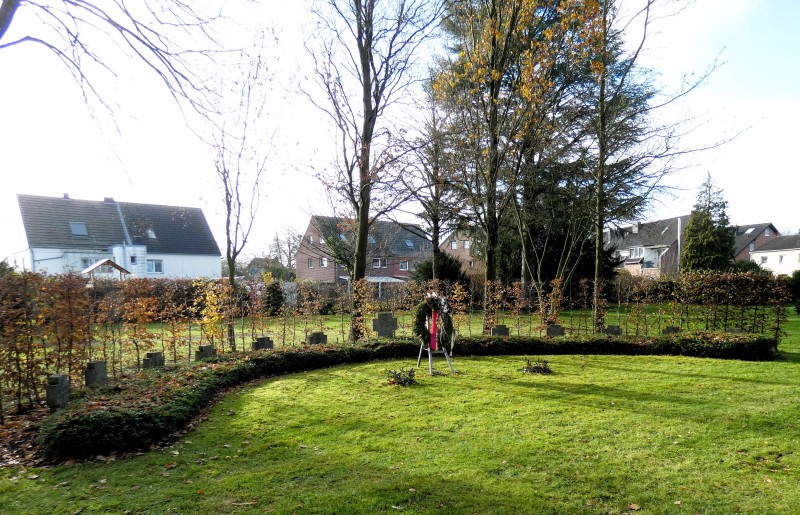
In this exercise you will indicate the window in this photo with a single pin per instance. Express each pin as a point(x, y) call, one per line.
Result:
point(133, 260)
point(763, 259)
point(310, 262)
point(155, 266)
point(409, 244)
point(472, 264)
point(636, 252)
point(321, 239)
point(749, 230)
point(310, 239)
point(454, 244)
point(151, 234)
point(323, 262)
point(371, 238)
point(766, 232)
point(752, 247)
point(78, 229)
point(86, 262)
point(466, 244)
point(379, 263)
point(403, 265)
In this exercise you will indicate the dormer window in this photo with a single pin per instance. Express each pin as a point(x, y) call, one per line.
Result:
point(151, 234)
point(78, 229)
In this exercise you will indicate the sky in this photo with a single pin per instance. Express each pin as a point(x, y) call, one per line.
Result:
point(51, 143)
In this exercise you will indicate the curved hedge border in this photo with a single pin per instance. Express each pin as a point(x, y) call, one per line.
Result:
point(81, 433)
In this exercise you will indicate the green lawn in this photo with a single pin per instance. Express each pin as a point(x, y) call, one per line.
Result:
point(600, 435)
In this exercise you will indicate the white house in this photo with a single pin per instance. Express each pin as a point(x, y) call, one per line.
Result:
point(780, 254)
point(69, 235)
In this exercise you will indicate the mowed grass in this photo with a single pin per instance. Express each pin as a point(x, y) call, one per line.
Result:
point(602, 434)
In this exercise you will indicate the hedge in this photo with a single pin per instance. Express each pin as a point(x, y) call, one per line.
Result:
point(88, 429)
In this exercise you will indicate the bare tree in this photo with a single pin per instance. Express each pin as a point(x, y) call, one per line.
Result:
point(284, 247)
point(364, 57)
point(429, 177)
point(161, 34)
point(240, 164)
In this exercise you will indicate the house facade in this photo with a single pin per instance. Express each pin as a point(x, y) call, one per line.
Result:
point(70, 235)
point(781, 254)
point(459, 244)
point(649, 249)
point(393, 250)
point(653, 249)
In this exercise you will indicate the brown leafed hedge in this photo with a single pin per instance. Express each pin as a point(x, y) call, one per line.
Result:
point(155, 406)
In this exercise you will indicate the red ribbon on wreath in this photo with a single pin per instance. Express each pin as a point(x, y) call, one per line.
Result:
point(433, 330)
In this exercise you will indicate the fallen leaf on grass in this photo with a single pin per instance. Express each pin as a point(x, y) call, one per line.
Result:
point(33, 476)
point(200, 491)
point(634, 507)
point(170, 466)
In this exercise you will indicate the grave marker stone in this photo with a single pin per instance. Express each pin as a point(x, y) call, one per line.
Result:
point(554, 330)
point(205, 351)
point(153, 360)
point(734, 330)
point(385, 325)
point(500, 330)
point(614, 330)
point(96, 373)
point(671, 329)
point(317, 338)
point(263, 343)
point(57, 391)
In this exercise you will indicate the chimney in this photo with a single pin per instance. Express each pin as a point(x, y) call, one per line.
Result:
point(66, 196)
point(108, 200)
point(635, 228)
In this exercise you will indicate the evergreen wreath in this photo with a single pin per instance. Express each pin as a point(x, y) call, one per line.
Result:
point(424, 312)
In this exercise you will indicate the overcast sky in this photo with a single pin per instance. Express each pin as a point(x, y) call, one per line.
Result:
point(50, 144)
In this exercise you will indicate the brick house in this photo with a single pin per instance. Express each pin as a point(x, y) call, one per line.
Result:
point(459, 244)
point(750, 237)
point(326, 251)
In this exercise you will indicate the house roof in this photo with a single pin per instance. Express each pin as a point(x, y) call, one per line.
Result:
point(66, 223)
point(661, 233)
point(790, 242)
point(177, 230)
point(745, 234)
point(386, 237)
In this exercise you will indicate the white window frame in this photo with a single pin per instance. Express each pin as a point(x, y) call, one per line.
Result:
point(309, 239)
point(87, 262)
point(454, 245)
point(752, 247)
point(467, 244)
point(323, 262)
point(766, 232)
point(404, 265)
point(763, 259)
point(310, 262)
point(153, 265)
point(380, 263)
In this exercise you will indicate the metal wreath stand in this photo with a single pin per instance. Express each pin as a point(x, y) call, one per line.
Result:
point(438, 323)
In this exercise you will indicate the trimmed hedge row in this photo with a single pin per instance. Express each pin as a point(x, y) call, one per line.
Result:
point(78, 432)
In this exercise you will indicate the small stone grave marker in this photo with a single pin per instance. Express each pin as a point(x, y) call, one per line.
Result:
point(500, 330)
point(205, 351)
point(57, 391)
point(317, 338)
point(671, 329)
point(385, 325)
point(96, 373)
point(263, 343)
point(554, 330)
point(614, 330)
point(153, 360)
point(734, 330)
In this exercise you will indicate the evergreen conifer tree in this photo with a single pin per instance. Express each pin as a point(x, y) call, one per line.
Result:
point(709, 238)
